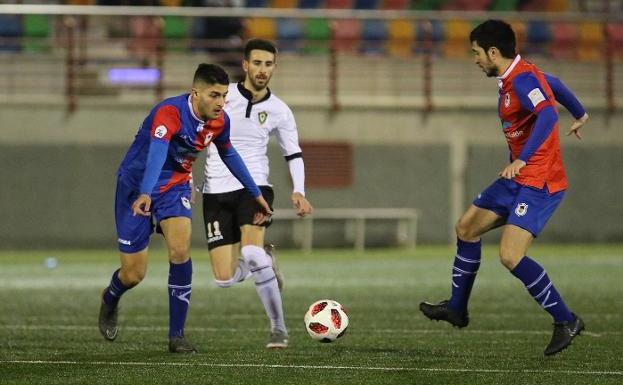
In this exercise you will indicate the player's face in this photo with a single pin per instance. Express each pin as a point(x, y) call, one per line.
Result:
point(209, 99)
point(259, 68)
point(483, 60)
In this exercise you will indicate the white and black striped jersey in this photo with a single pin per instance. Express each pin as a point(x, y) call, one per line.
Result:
point(251, 125)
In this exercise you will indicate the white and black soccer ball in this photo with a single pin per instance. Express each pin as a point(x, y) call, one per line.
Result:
point(326, 320)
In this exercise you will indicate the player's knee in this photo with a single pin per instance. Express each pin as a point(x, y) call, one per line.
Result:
point(255, 256)
point(463, 230)
point(509, 257)
point(224, 283)
point(179, 254)
point(132, 277)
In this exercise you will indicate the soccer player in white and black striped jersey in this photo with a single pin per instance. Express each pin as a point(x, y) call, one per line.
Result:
point(235, 244)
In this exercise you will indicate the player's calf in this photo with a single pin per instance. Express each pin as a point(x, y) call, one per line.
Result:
point(270, 250)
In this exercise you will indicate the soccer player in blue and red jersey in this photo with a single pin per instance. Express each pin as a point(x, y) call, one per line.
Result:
point(529, 189)
point(154, 185)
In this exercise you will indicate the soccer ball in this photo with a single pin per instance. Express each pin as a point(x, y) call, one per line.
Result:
point(326, 320)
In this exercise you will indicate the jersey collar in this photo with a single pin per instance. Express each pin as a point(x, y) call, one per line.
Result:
point(508, 70)
point(190, 107)
point(248, 95)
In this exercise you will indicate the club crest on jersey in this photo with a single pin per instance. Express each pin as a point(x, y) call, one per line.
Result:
point(521, 209)
point(208, 138)
point(262, 116)
point(186, 203)
point(160, 132)
point(507, 100)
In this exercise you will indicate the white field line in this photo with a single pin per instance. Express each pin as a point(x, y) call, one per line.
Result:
point(237, 330)
point(315, 367)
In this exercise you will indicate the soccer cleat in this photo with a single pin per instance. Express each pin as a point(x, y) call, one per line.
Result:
point(108, 321)
point(277, 340)
point(179, 344)
point(564, 332)
point(441, 312)
point(270, 250)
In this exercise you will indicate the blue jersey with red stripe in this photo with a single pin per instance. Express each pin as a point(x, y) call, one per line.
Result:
point(172, 122)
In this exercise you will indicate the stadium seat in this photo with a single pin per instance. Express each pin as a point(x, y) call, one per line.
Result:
point(289, 34)
point(317, 35)
point(457, 39)
point(10, 32)
point(557, 6)
point(283, 3)
point(427, 5)
point(365, 4)
point(394, 4)
point(256, 3)
point(504, 5)
point(310, 4)
point(564, 39)
point(262, 28)
point(373, 36)
point(36, 29)
point(538, 35)
point(401, 35)
point(175, 32)
point(591, 41)
point(346, 34)
point(339, 4)
point(519, 27)
point(466, 5)
point(614, 33)
point(428, 31)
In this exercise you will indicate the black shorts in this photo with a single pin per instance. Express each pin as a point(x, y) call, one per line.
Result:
point(225, 213)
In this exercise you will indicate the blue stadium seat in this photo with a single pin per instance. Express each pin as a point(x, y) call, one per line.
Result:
point(437, 35)
point(10, 29)
point(366, 4)
point(289, 34)
point(310, 4)
point(374, 36)
point(538, 34)
point(256, 3)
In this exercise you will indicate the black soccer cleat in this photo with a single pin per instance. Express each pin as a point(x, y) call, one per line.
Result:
point(441, 312)
point(179, 344)
point(108, 321)
point(564, 333)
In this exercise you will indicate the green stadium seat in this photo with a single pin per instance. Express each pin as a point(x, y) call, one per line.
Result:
point(317, 34)
point(426, 5)
point(505, 5)
point(36, 29)
point(175, 32)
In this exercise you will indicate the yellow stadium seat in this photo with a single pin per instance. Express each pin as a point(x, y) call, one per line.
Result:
point(262, 28)
point(591, 41)
point(401, 36)
point(457, 38)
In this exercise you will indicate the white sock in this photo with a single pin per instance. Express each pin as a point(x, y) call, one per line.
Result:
point(242, 271)
point(261, 265)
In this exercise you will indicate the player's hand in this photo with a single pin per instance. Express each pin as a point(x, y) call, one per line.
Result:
point(301, 204)
point(264, 214)
point(141, 205)
point(577, 124)
point(512, 170)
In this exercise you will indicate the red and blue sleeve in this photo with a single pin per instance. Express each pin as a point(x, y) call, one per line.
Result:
point(166, 123)
point(234, 162)
point(565, 96)
point(534, 99)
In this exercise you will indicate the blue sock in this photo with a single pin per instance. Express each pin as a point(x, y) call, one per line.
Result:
point(466, 264)
point(115, 290)
point(535, 278)
point(180, 278)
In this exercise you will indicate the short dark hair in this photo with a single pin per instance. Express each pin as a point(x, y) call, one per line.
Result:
point(261, 44)
point(495, 33)
point(211, 74)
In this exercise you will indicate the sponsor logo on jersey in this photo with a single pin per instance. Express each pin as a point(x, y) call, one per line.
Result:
point(521, 209)
point(262, 116)
point(160, 132)
point(514, 134)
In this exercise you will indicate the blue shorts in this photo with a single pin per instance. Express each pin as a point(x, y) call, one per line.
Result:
point(522, 206)
point(133, 232)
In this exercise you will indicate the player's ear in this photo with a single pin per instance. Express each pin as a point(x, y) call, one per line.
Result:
point(245, 65)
